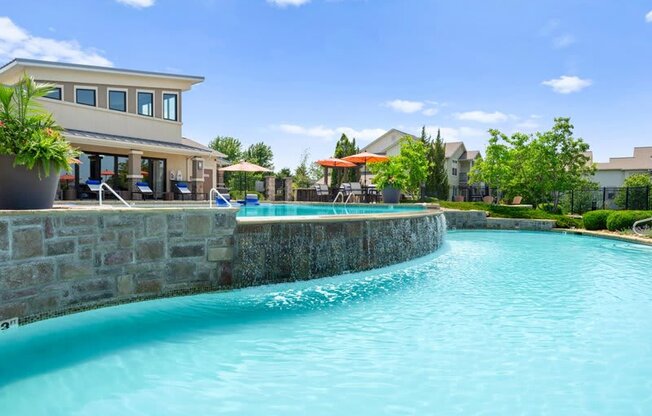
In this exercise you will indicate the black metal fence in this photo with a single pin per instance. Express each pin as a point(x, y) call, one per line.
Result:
point(576, 201)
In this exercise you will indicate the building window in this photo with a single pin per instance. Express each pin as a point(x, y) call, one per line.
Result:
point(454, 171)
point(85, 96)
point(146, 104)
point(170, 106)
point(55, 94)
point(117, 100)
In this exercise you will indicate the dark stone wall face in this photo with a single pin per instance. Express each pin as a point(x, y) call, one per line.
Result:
point(287, 251)
point(59, 261)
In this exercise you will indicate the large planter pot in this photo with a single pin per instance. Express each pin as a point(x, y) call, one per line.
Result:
point(21, 188)
point(391, 195)
point(70, 194)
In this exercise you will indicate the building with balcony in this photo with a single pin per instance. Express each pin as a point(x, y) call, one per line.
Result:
point(127, 123)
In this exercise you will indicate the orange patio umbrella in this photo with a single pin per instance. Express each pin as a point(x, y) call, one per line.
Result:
point(245, 167)
point(333, 162)
point(364, 158)
point(107, 172)
point(67, 177)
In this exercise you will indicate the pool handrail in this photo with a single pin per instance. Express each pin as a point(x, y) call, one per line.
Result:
point(635, 227)
point(219, 195)
point(101, 194)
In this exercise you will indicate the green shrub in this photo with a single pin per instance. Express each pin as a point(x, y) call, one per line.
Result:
point(596, 220)
point(550, 208)
point(564, 221)
point(624, 220)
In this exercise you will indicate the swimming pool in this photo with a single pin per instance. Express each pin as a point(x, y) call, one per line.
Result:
point(283, 210)
point(493, 323)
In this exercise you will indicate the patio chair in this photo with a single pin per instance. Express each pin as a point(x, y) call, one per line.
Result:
point(144, 189)
point(322, 191)
point(220, 202)
point(356, 190)
point(517, 200)
point(183, 189)
point(252, 199)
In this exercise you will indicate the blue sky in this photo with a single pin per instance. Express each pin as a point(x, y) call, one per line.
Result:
point(297, 73)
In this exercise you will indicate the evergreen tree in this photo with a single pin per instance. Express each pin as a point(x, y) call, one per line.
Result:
point(437, 183)
point(343, 148)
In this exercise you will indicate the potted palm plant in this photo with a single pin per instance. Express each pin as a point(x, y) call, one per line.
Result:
point(391, 178)
point(32, 148)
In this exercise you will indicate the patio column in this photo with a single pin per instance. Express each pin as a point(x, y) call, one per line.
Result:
point(197, 177)
point(220, 178)
point(134, 174)
point(288, 188)
point(270, 187)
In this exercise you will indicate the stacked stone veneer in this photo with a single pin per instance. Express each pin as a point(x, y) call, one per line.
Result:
point(59, 261)
point(479, 220)
point(276, 250)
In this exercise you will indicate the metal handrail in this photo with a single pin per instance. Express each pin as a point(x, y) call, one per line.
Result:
point(210, 198)
point(101, 194)
point(339, 194)
point(635, 227)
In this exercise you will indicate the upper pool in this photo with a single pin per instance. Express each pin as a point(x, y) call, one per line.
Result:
point(499, 323)
point(283, 210)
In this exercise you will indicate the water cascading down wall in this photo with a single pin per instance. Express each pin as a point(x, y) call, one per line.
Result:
point(55, 262)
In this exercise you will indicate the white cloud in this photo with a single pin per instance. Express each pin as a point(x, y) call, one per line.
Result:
point(139, 4)
point(456, 133)
point(429, 112)
point(567, 84)
point(285, 3)
point(327, 133)
point(648, 17)
point(563, 41)
point(482, 116)
point(16, 42)
point(405, 106)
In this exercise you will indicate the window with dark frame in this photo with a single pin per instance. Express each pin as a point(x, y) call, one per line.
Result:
point(117, 100)
point(85, 96)
point(146, 104)
point(170, 106)
point(54, 94)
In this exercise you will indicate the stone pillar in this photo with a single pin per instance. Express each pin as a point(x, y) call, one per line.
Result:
point(134, 172)
point(288, 189)
point(270, 187)
point(197, 177)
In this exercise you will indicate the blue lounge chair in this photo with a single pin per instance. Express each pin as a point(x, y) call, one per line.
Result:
point(252, 199)
point(183, 189)
point(220, 202)
point(94, 185)
point(144, 189)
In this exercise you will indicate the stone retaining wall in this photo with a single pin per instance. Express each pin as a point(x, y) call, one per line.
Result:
point(57, 261)
point(479, 220)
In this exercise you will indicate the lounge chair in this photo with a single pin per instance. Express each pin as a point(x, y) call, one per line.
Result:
point(144, 189)
point(183, 189)
point(221, 202)
point(93, 185)
point(356, 190)
point(252, 199)
point(517, 200)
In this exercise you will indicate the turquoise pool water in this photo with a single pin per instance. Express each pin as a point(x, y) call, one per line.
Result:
point(282, 210)
point(494, 323)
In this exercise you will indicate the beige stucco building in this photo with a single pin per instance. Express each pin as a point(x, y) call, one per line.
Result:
point(127, 123)
point(459, 161)
point(614, 172)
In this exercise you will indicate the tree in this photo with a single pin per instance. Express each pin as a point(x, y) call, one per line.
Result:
point(407, 171)
point(539, 167)
point(230, 146)
point(260, 154)
point(437, 180)
point(637, 193)
point(283, 173)
point(343, 148)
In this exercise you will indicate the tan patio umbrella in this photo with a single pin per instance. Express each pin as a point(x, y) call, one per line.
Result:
point(333, 162)
point(245, 167)
point(364, 158)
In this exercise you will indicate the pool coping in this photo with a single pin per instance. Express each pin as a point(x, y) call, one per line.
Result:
point(605, 234)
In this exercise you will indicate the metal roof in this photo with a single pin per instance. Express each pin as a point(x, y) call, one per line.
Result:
point(134, 140)
point(53, 64)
